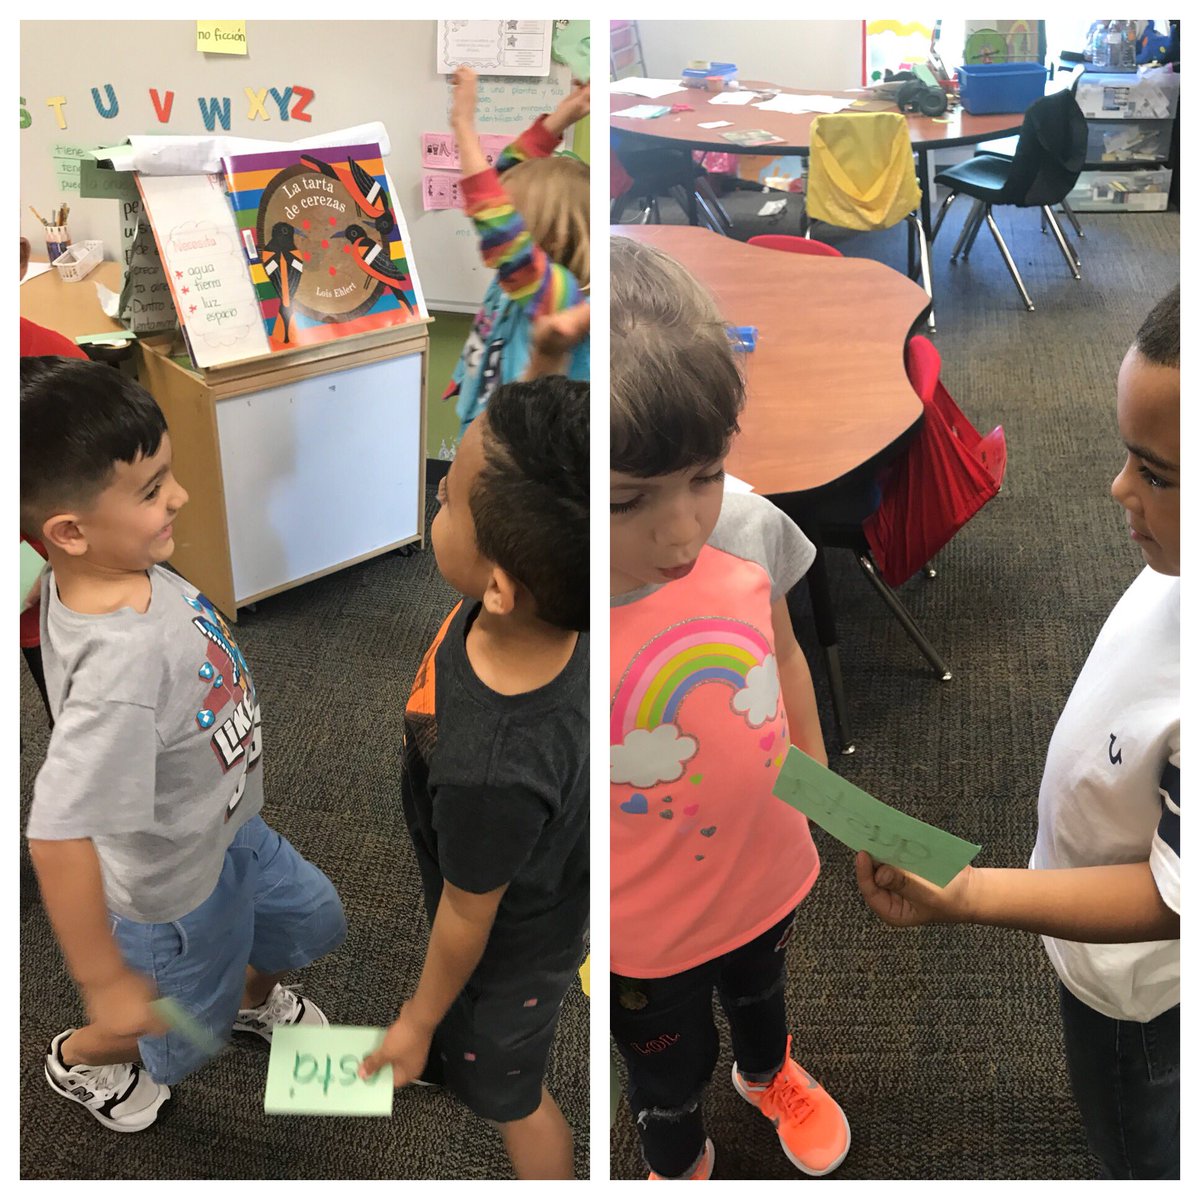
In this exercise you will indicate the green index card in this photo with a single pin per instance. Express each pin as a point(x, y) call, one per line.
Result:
point(864, 823)
point(313, 1071)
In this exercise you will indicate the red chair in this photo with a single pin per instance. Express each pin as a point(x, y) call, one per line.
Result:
point(948, 473)
point(794, 245)
point(894, 522)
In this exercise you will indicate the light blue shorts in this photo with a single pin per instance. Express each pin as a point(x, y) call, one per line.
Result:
point(270, 908)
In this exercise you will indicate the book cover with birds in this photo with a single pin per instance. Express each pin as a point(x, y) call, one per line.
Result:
point(326, 242)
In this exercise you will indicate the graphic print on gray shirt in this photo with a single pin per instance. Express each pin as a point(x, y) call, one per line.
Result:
point(156, 748)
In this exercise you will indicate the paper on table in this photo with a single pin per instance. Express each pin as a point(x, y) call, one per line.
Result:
point(713, 124)
point(651, 89)
point(864, 823)
point(313, 1071)
point(110, 301)
point(786, 102)
point(34, 270)
point(643, 112)
point(732, 98)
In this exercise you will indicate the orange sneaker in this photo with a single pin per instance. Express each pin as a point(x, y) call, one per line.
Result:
point(812, 1128)
point(704, 1168)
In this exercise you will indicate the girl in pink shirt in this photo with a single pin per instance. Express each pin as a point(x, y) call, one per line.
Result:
point(708, 689)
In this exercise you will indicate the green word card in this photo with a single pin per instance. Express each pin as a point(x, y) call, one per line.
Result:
point(313, 1071)
point(864, 823)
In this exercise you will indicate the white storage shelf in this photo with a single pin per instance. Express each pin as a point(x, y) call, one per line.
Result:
point(1122, 191)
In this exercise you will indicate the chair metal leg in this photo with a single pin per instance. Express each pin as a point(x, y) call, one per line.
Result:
point(941, 215)
point(1069, 213)
point(705, 192)
point(914, 223)
point(1008, 259)
point(976, 226)
point(903, 616)
point(965, 231)
point(708, 217)
point(1068, 251)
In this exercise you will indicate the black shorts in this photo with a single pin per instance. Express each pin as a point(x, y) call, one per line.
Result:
point(492, 1047)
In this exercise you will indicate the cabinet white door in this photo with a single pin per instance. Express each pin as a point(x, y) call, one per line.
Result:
point(320, 471)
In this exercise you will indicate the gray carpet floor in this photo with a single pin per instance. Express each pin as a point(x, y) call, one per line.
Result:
point(943, 1045)
point(333, 661)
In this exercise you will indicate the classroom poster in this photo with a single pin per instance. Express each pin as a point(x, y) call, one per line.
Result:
point(495, 47)
point(205, 272)
point(326, 244)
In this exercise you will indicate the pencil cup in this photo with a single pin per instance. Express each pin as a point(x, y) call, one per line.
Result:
point(58, 238)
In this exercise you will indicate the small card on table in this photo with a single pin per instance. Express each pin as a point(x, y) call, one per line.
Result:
point(313, 1071)
point(864, 823)
point(751, 137)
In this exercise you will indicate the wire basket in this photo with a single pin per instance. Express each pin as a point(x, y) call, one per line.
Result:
point(78, 260)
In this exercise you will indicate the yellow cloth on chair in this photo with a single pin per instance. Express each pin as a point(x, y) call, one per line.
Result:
point(860, 170)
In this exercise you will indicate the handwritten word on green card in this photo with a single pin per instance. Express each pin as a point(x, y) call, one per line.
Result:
point(864, 823)
point(313, 1071)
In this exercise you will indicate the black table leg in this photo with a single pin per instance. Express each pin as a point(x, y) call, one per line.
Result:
point(926, 192)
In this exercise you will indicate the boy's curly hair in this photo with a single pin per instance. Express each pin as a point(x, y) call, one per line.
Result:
point(1158, 339)
point(529, 501)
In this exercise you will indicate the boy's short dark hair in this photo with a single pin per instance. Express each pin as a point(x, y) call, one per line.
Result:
point(529, 502)
point(1158, 339)
point(676, 389)
point(78, 420)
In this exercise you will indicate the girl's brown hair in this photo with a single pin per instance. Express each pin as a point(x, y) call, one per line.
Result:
point(675, 387)
point(553, 196)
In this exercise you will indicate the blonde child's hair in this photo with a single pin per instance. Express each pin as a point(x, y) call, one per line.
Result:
point(553, 196)
point(675, 387)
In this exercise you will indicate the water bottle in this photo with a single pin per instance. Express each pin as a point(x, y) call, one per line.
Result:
point(1131, 41)
point(1114, 40)
point(1096, 43)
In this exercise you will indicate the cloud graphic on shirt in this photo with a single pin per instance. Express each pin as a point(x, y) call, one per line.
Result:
point(651, 756)
point(759, 699)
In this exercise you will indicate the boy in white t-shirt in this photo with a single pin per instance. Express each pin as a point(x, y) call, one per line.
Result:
point(1103, 888)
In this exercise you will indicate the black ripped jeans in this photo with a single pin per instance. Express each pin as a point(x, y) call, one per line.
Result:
point(665, 1031)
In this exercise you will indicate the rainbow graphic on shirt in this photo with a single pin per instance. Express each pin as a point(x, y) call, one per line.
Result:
point(648, 746)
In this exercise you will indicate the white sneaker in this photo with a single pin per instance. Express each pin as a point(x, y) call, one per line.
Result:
point(121, 1096)
point(281, 1007)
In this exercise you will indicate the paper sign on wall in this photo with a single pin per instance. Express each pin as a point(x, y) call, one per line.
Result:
point(440, 191)
point(864, 823)
point(439, 151)
point(495, 47)
point(314, 1071)
point(221, 37)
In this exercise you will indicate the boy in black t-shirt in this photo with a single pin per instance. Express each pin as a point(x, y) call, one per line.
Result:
point(495, 785)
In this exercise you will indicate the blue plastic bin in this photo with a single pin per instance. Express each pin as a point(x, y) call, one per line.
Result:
point(1000, 87)
point(696, 76)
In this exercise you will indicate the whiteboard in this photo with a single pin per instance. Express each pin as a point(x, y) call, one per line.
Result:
point(407, 96)
point(359, 430)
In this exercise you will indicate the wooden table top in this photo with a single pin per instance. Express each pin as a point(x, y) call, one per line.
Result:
point(826, 387)
point(71, 309)
point(956, 128)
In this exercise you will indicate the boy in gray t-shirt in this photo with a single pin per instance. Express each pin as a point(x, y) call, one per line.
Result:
point(157, 872)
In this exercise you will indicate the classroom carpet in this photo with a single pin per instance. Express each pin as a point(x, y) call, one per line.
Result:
point(943, 1044)
point(333, 661)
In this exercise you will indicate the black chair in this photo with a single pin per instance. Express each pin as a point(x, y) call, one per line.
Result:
point(1049, 156)
point(668, 172)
